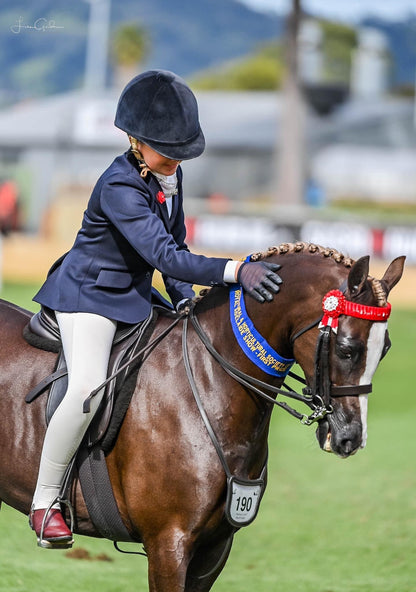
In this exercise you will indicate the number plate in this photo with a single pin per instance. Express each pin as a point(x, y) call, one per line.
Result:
point(243, 500)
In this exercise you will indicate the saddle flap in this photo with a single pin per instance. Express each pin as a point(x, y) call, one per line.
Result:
point(127, 343)
point(122, 352)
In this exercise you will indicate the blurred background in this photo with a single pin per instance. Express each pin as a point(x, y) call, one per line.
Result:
point(308, 108)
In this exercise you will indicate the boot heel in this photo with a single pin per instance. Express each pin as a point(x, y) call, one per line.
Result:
point(51, 529)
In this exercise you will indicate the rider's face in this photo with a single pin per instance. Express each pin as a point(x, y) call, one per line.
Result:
point(156, 162)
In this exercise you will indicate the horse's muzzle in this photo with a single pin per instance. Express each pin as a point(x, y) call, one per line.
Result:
point(343, 441)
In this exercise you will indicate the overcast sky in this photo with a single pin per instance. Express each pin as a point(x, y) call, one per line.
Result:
point(344, 10)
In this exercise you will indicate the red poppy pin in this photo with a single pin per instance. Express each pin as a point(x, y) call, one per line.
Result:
point(160, 196)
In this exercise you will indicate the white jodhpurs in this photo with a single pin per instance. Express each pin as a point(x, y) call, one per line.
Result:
point(86, 340)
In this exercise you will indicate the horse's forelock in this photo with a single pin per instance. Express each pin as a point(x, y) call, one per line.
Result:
point(378, 291)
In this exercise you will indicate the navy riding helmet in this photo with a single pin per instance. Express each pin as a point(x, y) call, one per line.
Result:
point(158, 108)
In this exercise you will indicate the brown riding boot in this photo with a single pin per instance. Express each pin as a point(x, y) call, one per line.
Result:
point(52, 531)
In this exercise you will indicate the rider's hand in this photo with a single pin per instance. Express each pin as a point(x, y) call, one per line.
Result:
point(259, 279)
point(185, 306)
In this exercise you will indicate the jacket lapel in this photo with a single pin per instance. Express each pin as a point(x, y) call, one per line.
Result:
point(177, 199)
point(162, 207)
point(155, 188)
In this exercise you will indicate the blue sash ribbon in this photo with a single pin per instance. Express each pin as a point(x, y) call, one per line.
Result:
point(251, 342)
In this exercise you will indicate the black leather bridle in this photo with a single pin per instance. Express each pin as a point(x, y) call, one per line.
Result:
point(322, 390)
point(318, 396)
point(308, 397)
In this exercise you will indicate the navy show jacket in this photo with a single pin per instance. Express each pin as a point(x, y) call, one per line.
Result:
point(126, 234)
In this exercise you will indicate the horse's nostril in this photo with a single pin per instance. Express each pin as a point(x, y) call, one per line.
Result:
point(347, 446)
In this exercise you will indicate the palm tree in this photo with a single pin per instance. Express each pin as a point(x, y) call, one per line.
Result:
point(129, 48)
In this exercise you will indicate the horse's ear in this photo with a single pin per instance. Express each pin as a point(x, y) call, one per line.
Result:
point(393, 273)
point(358, 275)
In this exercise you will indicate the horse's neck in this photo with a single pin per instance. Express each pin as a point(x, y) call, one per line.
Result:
point(268, 320)
point(249, 420)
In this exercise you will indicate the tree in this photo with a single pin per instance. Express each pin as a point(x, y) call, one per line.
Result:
point(129, 47)
point(262, 70)
point(339, 40)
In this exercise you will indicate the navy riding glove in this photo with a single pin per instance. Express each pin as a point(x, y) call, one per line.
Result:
point(185, 306)
point(259, 279)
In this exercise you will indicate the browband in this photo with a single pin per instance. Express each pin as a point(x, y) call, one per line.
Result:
point(334, 304)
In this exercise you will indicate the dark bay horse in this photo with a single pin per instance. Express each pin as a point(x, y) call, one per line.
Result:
point(168, 481)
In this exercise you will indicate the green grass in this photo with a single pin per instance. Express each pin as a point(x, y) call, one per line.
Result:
point(20, 294)
point(325, 524)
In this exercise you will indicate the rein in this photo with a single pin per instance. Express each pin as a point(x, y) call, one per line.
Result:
point(147, 348)
point(256, 385)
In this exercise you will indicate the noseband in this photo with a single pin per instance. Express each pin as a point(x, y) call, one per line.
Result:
point(318, 396)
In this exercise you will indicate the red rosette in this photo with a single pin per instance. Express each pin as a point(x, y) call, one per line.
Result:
point(333, 305)
point(160, 196)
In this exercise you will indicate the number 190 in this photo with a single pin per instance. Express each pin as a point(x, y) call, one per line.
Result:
point(244, 504)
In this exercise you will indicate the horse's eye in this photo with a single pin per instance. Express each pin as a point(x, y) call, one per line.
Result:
point(344, 352)
point(349, 350)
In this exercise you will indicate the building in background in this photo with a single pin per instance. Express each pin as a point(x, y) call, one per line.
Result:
point(56, 148)
point(370, 65)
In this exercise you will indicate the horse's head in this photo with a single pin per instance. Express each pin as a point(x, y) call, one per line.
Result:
point(338, 350)
point(352, 339)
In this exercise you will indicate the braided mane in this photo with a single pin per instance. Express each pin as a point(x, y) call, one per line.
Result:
point(301, 246)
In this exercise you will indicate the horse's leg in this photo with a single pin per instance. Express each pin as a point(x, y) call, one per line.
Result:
point(169, 568)
point(207, 564)
point(168, 557)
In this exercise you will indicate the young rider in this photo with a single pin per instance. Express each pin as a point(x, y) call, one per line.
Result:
point(133, 224)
